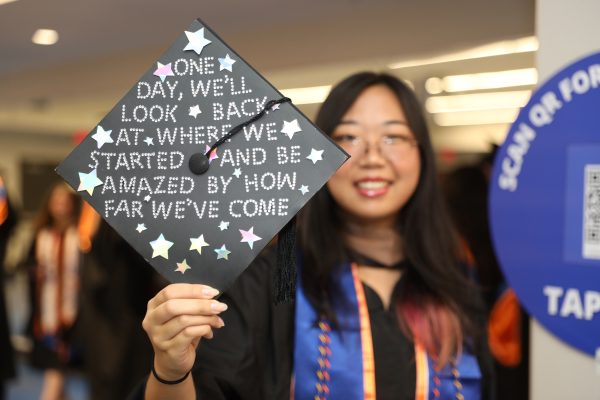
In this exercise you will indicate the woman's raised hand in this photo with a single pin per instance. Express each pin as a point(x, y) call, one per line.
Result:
point(176, 318)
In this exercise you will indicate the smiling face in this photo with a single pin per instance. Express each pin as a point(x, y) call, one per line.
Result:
point(383, 172)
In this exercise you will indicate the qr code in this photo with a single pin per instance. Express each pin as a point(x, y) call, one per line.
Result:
point(591, 212)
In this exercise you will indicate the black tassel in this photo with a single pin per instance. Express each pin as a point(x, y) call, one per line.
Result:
point(285, 278)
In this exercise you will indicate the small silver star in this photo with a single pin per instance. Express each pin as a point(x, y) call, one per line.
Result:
point(102, 136)
point(141, 228)
point(223, 225)
point(275, 106)
point(303, 189)
point(290, 128)
point(315, 155)
point(160, 247)
point(147, 198)
point(149, 141)
point(197, 41)
point(195, 110)
point(222, 253)
point(237, 172)
point(87, 182)
point(182, 267)
point(226, 63)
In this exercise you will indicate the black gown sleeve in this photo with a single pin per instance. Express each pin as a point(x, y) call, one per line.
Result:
point(251, 356)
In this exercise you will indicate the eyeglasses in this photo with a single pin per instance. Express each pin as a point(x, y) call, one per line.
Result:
point(390, 146)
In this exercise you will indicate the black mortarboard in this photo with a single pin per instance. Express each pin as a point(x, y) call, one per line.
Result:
point(196, 218)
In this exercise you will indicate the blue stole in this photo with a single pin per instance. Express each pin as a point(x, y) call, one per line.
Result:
point(330, 364)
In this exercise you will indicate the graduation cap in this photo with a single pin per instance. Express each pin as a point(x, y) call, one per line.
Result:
point(201, 163)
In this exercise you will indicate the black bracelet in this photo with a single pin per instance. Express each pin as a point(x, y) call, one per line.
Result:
point(166, 382)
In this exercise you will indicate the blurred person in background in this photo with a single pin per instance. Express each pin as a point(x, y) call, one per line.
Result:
point(7, 223)
point(466, 191)
point(116, 286)
point(54, 262)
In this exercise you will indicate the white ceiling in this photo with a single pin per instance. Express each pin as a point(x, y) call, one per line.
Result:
point(106, 44)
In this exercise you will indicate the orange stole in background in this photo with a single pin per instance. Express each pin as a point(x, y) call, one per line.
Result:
point(3, 202)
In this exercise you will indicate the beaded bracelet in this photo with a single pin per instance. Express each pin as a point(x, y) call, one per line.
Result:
point(166, 382)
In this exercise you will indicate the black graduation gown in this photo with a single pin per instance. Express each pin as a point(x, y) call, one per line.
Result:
point(252, 356)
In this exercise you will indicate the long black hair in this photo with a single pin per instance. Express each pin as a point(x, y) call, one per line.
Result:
point(434, 279)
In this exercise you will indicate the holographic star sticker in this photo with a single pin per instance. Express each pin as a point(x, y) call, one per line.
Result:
point(213, 154)
point(160, 247)
point(195, 110)
point(87, 182)
point(149, 141)
point(315, 155)
point(162, 71)
point(182, 266)
point(198, 243)
point(141, 228)
point(222, 253)
point(102, 136)
point(303, 189)
point(223, 225)
point(291, 127)
point(237, 172)
point(226, 63)
point(249, 237)
point(197, 41)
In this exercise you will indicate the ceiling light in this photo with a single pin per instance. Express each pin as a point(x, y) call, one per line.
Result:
point(45, 37)
point(487, 117)
point(477, 101)
point(523, 45)
point(482, 81)
point(307, 95)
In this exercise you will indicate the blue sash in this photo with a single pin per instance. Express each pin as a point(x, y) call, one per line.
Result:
point(330, 364)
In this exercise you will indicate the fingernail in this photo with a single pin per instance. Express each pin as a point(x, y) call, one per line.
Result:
point(221, 322)
point(209, 292)
point(217, 306)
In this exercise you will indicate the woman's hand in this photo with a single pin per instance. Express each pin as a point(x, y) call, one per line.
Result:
point(177, 317)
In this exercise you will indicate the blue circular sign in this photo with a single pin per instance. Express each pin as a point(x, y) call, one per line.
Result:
point(545, 205)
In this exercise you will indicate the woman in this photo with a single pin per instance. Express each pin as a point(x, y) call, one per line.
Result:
point(383, 309)
point(55, 258)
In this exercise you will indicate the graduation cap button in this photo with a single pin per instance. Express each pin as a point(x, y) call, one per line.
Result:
point(198, 163)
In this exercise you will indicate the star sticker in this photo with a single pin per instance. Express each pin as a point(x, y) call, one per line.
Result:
point(303, 189)
point(213, 154)
point(197, 41)
point(149, 141)
point(182, 267)
point(141, 228)
point(275, 107)
point(223, 225)
point(289, 128)
point(237, 172)
point(102, 137)
point(195, 110)
point(226, 63)
point(147, 198)
point(222, 253)
point(315, 155)
point(88, 182)
point(161, 247)
point(162, 71)
point(249, 237)
point(198, 243)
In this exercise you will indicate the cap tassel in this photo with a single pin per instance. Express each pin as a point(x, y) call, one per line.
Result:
point(285, 279)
